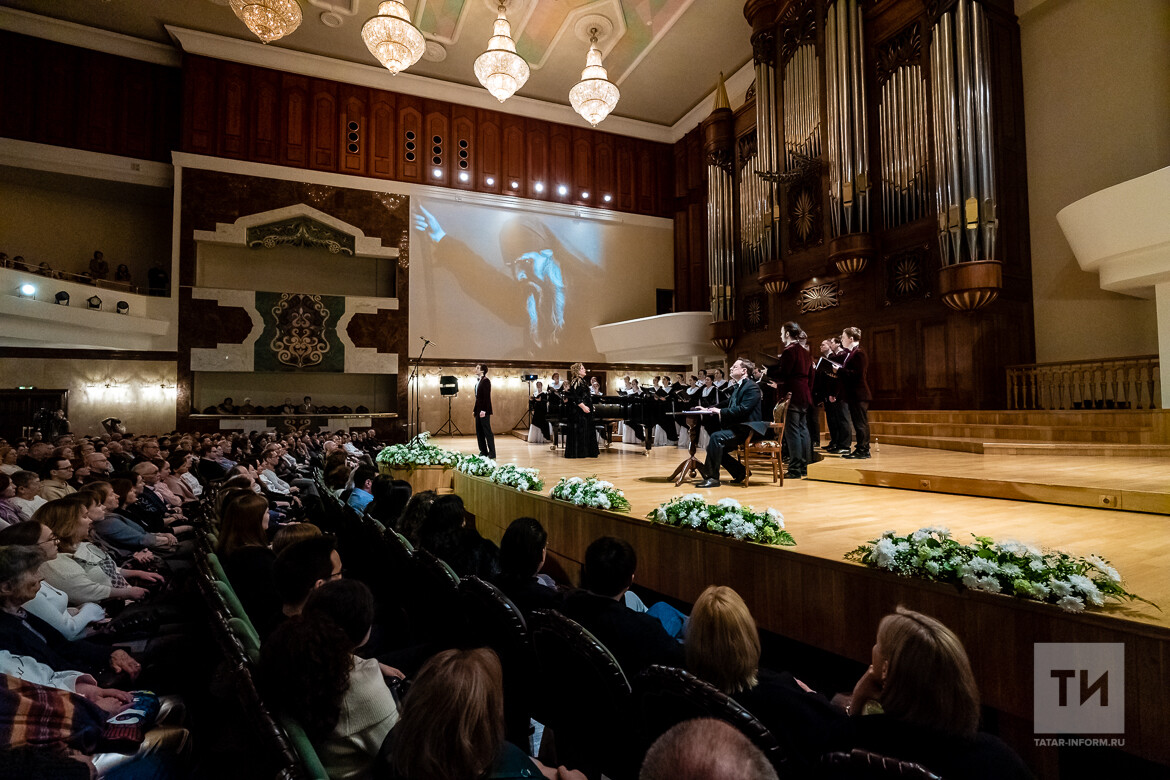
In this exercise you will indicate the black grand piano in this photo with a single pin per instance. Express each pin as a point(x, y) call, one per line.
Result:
point(642, 411)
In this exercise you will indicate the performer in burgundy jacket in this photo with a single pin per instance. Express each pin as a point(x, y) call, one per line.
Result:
point(483, 412)
point(792, 376)
point(854, 388)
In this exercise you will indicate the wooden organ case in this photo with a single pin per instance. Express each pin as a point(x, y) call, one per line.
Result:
point(876, 177)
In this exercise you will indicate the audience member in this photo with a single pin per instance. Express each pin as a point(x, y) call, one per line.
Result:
point(9, 513)
point(291, 534)
point(55, 478)
point(445, 534)
point(390, 498)
point(705, 749)
point(27, 499)
point(247, 560)
point(299, 569)
point(414, 514)
point(522, 555)
point(363, 486)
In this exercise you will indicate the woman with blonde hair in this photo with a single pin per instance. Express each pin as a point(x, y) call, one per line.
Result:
point(918, 701)
point(723, 648)
point(581, 436)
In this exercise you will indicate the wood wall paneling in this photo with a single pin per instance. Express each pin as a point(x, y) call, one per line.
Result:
point(99, 85)
point(487, 156)
point(233, 108)
point(17, 94)
point(885, 362)
point(681, 166)
point(464, 152)
point(264, 116)
point(199, 78)
point(625, 174)
point(294, 120)
point(137, 131)
point(560, 164)
point(935, 358)
point(515, 154)
point(697, 257)
point(583, 167)
point(382, 141)
point(536, 136)
point(682, 277)
point(353, 129)
point(412, 147)
point(696, 167)
point(323, 111)
point(648, 173)
point(438, 146)
point(605, 170)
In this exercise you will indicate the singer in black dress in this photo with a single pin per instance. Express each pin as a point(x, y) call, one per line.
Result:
point(581, 437)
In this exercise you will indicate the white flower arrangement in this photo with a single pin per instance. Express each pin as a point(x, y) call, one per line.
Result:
point(1010, 567)
point(591, 492)
point(417, 452)
point(476, 465)
point(727, 517)
point(519, 477)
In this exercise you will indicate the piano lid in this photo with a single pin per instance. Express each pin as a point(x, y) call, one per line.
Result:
point(667, 338)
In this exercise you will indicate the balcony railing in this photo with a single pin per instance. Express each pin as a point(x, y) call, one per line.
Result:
point(1120, 383)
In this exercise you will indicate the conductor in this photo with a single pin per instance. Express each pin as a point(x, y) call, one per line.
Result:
point(742, 406)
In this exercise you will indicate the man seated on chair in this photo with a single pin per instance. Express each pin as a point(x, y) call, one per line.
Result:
point(742, 406)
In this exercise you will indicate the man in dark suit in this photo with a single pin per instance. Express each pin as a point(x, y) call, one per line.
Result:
point(483, 412)
point(792, 374)
point(636, 639)
point(854, 388)
point(743, 405)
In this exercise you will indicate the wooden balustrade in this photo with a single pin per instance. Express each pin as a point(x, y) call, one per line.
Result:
point(1120, 383)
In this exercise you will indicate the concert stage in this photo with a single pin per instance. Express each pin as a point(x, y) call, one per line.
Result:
point(811, 594)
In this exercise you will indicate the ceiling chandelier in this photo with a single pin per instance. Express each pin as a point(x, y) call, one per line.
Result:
point(392, 39)
point(268, 19)
point(500, 69)
point(594, 96)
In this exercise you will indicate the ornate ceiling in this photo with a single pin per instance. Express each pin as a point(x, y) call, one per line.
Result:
point(665, 55)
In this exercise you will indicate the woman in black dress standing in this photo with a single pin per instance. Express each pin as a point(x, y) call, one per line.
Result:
point(581, 439)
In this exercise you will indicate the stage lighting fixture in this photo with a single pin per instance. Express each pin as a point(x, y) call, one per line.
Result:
point(62, 298)
point(94, 302)
point(27, 290)
point(528, 377)
point(122, 307)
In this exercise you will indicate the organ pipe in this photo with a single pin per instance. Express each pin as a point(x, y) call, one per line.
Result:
point(718, 147)
point(846, 116)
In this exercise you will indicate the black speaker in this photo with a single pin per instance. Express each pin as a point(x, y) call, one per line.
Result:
point(448, 385)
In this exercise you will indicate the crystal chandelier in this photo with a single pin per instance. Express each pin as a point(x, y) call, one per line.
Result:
point(500, 69)
point(391, 37)
point(594, 96)
point(268, 19)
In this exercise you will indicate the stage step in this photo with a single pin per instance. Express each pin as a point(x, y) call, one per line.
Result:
point(990, 432)
point(1105, 418)
point(1006, 447)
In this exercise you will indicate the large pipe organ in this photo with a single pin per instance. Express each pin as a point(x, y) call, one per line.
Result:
point(875, 177)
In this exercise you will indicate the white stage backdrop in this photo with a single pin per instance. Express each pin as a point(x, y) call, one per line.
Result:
point(503, 284)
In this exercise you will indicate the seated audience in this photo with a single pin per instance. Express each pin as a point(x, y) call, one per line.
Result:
point(292, 533)
point(636, 639)
point(300, 568)
point(705, 749)
point(522, 554)
point(8, 457)
point(453, 724)
point(27, 499)
point(9, 514)
point(124, 534)
point(363, 486)
point(723, 648)
point(390, 498)
point(309, 671)
point(445, 534)
point(247, 560)
point(414, 514)
point(55, 478)
point(918, 702)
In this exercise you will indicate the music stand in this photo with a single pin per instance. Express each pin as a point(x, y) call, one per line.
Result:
point(449, 387)
point(686, 470)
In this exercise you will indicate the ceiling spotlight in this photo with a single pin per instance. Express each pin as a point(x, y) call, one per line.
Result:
point(28, 290)
point(392, 39)
point(94, 302)
point(608, 198)
point(122, 307)
point(464, 176)
point(268, 19)
point(515, 185)
point(500, 69)
point(562, 190)
point(437, 173)
point(584, 196)
point(489, 181)
point(539, 186)
point(62, 298)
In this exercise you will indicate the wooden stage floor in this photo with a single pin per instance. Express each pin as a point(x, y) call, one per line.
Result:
point(829, 518)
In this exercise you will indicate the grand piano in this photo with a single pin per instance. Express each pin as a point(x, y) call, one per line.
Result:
point(642, 411)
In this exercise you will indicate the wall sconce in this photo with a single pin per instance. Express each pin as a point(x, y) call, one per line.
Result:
point(122, 307)
point(94, 302)
point(27, 290)
point(62, 298)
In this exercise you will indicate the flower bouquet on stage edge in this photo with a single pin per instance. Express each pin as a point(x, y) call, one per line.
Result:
point(727, 517)
point(1011, 568)
point(417, 452)
point(476, 465)
point(591, 492)
point(519, 477)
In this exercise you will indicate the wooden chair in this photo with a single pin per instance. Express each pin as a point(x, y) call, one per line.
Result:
point(755, 445)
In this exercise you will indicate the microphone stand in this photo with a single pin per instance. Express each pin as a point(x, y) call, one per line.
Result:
point(414, 390)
